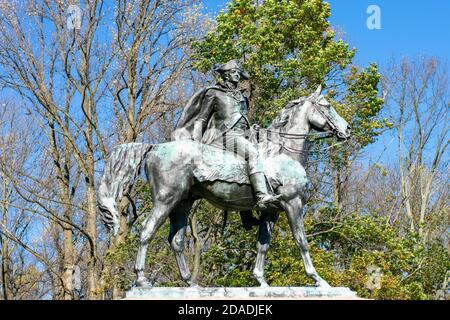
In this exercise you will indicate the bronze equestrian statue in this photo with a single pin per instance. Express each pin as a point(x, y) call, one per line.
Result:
point(198, 164)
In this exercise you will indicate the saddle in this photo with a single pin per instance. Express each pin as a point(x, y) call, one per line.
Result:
point(217, 164)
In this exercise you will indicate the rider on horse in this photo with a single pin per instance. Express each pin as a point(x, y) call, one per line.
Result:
point(217, 116)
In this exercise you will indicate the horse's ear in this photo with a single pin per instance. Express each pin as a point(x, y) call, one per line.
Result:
point(318, 91)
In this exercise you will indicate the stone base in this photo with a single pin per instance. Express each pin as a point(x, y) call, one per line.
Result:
point(244, 293)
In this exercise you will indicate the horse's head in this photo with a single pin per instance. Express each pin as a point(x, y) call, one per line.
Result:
point(313, 112)
point(323, 117)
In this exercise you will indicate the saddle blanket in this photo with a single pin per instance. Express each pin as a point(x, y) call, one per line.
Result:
point(217, 164)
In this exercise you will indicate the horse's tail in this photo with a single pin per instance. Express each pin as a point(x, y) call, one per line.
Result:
point(120, 173)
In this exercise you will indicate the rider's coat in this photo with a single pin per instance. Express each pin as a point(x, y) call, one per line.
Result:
point(222, 111)
point(219, 116)
point(210, 113)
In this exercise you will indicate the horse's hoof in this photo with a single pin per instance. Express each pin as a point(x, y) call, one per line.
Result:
point(143, 283)
point(193, 284)
point(262, 282)
point(322, 284)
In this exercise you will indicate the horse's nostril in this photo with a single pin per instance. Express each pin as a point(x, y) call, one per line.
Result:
point(342, 135)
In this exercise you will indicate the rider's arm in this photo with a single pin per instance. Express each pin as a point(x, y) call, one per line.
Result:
point(204, 115)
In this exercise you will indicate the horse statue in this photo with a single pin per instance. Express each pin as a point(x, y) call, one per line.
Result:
point(183, 171)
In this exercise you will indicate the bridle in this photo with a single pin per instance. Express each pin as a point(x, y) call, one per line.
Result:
point(334, 129)
point(298, 136)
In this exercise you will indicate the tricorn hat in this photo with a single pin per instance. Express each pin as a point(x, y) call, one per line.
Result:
point(232, 64)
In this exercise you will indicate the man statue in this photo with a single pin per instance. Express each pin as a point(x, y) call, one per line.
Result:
point(217, 116)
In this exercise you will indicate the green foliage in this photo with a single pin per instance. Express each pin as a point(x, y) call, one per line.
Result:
point(287, 47)
point(118, 262)
point(410, 269)
point(360, 104)
point(231, 256)
point(343, 256)
point(342, 252)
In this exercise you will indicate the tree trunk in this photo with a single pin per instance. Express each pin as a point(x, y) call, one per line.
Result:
point(91, 229)
point(68, 262)
point(337, 191)
point(7, 294)
point(117, 292)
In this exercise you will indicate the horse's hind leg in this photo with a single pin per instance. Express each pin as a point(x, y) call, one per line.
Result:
point(178, 224)
point(293, 211)
point(267, 223)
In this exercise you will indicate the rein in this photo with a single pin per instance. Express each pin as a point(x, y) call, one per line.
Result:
point(296, 136)
point(298, 151)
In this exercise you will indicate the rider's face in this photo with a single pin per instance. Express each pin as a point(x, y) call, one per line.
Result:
point(233, 75)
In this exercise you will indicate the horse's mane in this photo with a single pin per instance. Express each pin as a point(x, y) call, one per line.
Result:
point(283, 116)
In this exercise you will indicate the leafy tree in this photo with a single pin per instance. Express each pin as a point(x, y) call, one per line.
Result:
point(289, 48)
point(342, 253)
point(406, 264)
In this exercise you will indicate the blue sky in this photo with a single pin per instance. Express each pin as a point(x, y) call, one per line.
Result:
point(408, 28)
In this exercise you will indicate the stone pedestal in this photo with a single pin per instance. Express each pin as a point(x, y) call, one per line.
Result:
point(244, 293)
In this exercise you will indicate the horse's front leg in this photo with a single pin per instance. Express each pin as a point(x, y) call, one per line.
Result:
point(267, 223)
point(178, 224)
point(151, 224)
point(294, 213)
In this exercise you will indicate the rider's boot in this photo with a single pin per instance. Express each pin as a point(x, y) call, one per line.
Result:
point(264, 199)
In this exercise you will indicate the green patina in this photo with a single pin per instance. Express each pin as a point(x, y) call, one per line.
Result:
point(215, 164)
point(171, 153)
point(290, 169)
